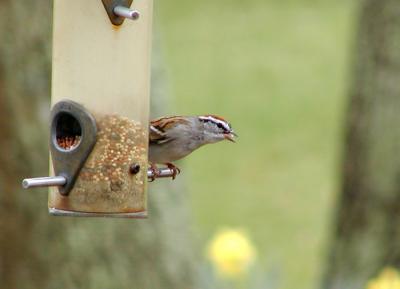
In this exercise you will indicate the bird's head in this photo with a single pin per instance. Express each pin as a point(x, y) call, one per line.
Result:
point(216, 129)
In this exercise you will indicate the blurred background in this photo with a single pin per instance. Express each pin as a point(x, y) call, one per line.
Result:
point(279, 72)
point(308, 197)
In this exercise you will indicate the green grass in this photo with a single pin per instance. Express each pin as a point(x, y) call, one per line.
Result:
point(278, 70)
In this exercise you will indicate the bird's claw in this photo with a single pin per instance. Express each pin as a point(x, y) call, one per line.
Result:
point(155, 172)
point(175, 170)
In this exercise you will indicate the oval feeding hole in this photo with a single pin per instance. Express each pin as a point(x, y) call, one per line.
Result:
point(68, 131)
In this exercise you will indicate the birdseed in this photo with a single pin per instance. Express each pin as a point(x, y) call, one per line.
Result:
point(105, 182)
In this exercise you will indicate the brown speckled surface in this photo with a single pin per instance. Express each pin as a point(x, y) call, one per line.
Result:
point(105, 184)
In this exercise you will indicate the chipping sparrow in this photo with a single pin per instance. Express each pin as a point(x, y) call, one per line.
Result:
point(173, 138)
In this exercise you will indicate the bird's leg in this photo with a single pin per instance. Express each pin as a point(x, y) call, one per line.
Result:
point(155, 171)
point(174, 169)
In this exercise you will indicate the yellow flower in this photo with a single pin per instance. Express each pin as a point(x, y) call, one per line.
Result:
point(231, 253)
point(388, 279)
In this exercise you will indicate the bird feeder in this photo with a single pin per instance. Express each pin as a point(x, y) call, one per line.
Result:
point(100, 108)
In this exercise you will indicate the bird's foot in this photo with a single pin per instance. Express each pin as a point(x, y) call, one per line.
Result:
point(175, 170)
point(155, 172)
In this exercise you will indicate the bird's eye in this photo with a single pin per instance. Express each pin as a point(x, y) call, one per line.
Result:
point(220, 126)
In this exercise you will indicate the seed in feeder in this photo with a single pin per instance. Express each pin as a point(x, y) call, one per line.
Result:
point(68, 142)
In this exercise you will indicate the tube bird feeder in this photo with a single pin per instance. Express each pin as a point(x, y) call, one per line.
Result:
point(100, 108)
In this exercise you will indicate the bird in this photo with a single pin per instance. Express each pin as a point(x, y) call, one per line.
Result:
point(174, 137)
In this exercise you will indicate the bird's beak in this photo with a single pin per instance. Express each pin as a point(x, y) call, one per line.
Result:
point(230, 136)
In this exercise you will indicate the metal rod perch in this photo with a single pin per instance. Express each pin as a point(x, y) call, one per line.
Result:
point(61, 181)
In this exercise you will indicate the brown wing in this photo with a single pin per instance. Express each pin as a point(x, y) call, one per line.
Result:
point(160, 126)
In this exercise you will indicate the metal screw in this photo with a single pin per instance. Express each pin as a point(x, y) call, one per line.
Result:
point(126, 12)
point(134, 169)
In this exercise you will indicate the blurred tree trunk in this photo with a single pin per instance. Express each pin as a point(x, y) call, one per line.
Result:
point(367, 232)
point(39, 251)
